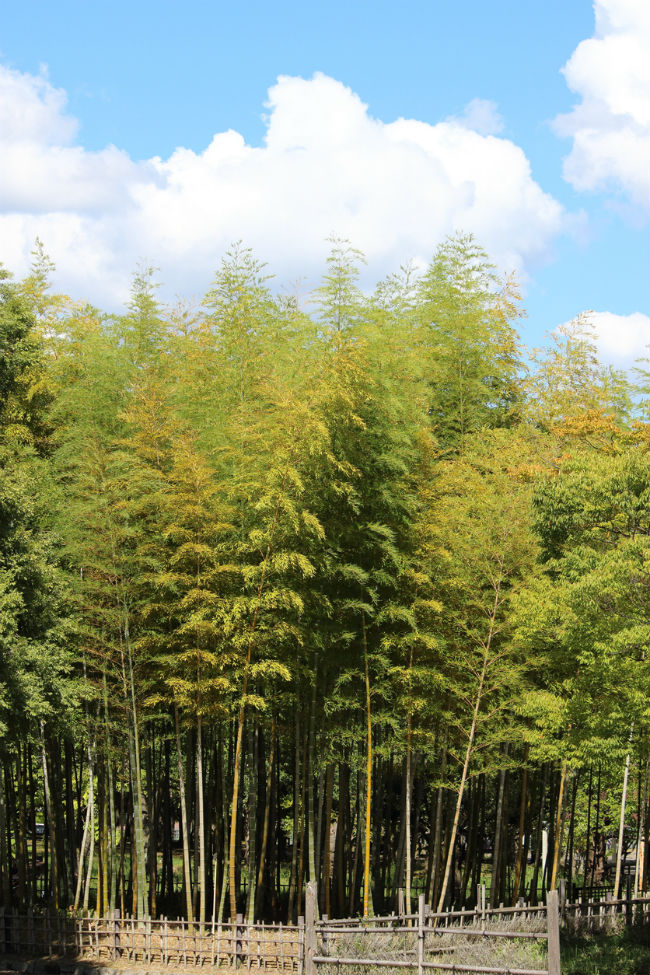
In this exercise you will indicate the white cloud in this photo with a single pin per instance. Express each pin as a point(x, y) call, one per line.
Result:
point(326, 166)
point(621, 338)
point(610, 127)
point(32, 110)
point(481, 116)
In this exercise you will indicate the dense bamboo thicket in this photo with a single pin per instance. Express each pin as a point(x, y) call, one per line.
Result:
point(353, 589)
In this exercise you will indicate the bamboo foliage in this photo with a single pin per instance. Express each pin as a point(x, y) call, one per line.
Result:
point(326, 592)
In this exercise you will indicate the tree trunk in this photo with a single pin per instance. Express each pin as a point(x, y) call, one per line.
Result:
point(21, 821)
point(520, 835)
point(327, 853)
point(342, 826)
point(5, 865)
point(407, 815)
point(495, 890)
point(569, 863)
point(538, 836)
point(187, 882)
point(201, 816)
point(434, 880)
point(311, 832)
point(267, 817)
point(366, 854)
point(558, 829)
point(252, 823)
point(621, 824)
point(296, 820)
point(91, 852)
point(51, 824)
point(461, 789)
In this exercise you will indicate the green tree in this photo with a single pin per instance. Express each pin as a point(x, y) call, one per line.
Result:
point(470, 342)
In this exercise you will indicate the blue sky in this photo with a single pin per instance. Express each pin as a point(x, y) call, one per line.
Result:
point(108, 114)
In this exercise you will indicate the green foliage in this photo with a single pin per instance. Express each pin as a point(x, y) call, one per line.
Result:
point(588, 615)
point(367, 525)
point(471, 345)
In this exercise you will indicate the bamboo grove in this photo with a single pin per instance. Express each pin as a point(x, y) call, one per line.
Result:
point(347, 588)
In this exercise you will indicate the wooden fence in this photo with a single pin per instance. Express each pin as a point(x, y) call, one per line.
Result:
point(430, 941)
point(257, 947)
point(424, 941)
point(410, 942)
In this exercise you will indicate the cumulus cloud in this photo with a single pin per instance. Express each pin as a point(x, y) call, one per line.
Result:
point(610, 127)
point(326, 166)
point(621, 338)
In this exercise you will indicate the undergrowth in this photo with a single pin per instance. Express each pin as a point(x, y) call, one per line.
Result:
point(626, 952)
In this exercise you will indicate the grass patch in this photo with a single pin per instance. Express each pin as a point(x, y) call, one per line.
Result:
point(626, 952)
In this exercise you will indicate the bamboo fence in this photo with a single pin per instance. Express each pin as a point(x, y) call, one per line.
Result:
point(424, 941)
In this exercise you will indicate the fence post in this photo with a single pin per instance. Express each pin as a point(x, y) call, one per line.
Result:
point(553, 922)
point(301, 945)
point(311, 916)
point(116, 934)
point(421, 934)
point(239, 942)
point(401, 910)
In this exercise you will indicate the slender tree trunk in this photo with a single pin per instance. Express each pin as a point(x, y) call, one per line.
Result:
point(472, 732)
point(495, 890)
point(240, 721)
point(558, 828)
point(407, 816)
point(32, 827)
point(91, 853)
point(520, 834)
point(588, 836)
point(296, 820)
point(5, 866)
point(461, 789)
point(434, 881)
point(268, 795)
point(327, 852)
point(303, 825)
point(122, 847)
point(472, 837)
point(358, 840)
point(51, 823)
point(342, 818)
point(538, 836)
point(201, 816)
point(400, 846)
point(621, 824)
point(252, 823)
point(642, 879)
point(102, 878)
point(366, 869)
point(187, 882)
point(311, 832)
point(21, 821)
point(569, 864)
point(71, 839)
point(596, 831)
point(225, 811)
